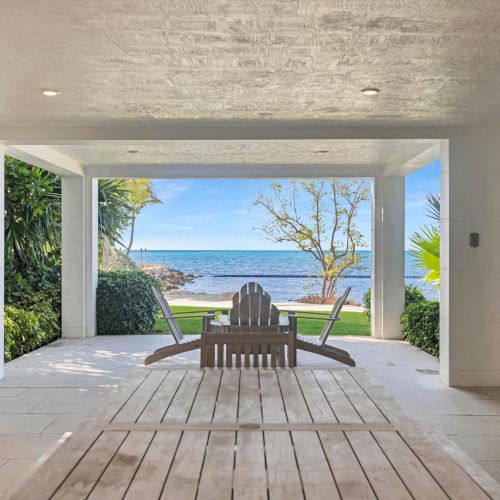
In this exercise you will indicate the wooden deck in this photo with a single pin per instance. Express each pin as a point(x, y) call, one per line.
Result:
point(248, 434)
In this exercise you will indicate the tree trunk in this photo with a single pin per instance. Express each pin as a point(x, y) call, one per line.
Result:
point(132, 228)
point(323, 287)
point(106, 253)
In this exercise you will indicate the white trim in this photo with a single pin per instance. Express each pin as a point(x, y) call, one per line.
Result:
point(45, 157)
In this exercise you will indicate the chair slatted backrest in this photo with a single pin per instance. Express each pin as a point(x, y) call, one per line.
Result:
point(252, 307)
point(333, 316)
point(168, 314)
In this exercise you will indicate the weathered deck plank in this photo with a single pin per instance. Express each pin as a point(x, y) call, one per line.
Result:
point(249, 434)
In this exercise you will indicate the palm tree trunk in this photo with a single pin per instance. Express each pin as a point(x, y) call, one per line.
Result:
point(132, 228)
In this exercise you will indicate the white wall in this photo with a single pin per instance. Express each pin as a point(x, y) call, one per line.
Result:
point(470, 277)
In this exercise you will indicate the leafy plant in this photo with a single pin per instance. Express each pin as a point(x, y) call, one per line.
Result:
point(125, 304)
point(420, 322)
point(326, 228)
point(22, 332)
point(413, 295)
point(32, 229)
point(141, 194)
point(425, 243)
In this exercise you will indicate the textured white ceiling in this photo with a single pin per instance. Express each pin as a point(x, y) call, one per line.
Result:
point(377, 153)
point(436, 61)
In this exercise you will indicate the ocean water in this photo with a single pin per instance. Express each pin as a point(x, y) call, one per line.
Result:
point(286, 275)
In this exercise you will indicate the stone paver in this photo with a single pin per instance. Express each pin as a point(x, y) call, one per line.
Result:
point(49, 392)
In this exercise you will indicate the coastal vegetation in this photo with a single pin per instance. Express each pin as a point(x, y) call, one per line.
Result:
point(425, 243)
point(325, 226)
point(32, 255)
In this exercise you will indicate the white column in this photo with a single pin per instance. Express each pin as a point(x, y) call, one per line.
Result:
point(470, 277)
point(2, 193)
point(388, 238)
point(79, 255)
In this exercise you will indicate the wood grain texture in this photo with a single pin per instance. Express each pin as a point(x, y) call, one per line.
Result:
point(249, 434)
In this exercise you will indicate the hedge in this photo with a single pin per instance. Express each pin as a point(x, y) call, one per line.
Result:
point(125, 304)
point(27, 330)
point(412, 294)
point(420, 322)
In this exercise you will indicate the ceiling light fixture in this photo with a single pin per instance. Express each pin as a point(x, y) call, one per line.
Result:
point(322, 151)
point(370, 91)
point(50, 92)
point(133, 151)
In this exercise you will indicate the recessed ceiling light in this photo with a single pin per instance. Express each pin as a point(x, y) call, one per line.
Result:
point(370, 91)
point(50, 92)
point(133, 151)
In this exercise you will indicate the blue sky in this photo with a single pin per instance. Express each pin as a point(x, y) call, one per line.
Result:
point(219, 214)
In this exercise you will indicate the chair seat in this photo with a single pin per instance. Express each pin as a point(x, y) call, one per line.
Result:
point(192, 338)
point(309, 339)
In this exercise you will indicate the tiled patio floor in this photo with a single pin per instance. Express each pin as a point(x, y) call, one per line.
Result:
point(50, 391)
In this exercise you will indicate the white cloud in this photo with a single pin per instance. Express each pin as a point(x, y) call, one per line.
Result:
point(167, 189)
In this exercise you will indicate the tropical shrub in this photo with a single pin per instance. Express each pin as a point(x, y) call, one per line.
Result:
point(413, 294)
point(32, 229)
point(125, 304)
point(22, 332)
point(420, 322)
point(425, 243)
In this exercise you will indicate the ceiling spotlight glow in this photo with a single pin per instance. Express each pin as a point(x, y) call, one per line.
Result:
point(370, 91)
point(50, 92)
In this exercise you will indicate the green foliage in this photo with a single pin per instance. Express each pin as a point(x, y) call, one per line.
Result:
point(32, 229)
point(420, 322)
point(425, 249)
point(425, 243)
point(324, 227)
point(114, 208)
point(125, 304)
point(22, 332)
point(413, 294)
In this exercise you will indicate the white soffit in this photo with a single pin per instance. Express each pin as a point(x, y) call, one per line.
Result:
point(354, 153)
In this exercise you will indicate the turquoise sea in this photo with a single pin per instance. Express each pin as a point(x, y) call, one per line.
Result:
point(287, 275)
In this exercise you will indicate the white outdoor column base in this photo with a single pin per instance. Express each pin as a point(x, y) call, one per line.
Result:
point(79, 255)
point(388, 277)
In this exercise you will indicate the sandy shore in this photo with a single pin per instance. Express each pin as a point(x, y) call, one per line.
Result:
point(223, 300)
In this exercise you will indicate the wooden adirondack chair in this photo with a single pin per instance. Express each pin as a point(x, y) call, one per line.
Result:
point(252, 306)
point(181, 344)
point(319, 345)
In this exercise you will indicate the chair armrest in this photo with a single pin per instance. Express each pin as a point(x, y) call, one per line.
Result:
point(294, 313)
point(178, 313)
point(337, 318)
point(191, 316)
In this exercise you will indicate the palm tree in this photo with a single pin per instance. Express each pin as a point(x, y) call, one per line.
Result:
point(425, 244)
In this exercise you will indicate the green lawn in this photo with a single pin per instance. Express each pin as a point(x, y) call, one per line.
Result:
point(352, 323)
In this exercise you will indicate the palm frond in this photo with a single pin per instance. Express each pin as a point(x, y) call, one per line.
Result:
point(425, 249)
point(434, 206)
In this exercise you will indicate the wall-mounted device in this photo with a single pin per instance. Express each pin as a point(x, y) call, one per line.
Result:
point(474, 240)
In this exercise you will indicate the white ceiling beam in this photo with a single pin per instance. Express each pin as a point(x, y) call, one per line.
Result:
point(218, 130)
point(45, 157)
point(230, 171)
point(396, 167)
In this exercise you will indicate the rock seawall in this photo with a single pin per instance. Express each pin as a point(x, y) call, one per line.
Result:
point(171, 279)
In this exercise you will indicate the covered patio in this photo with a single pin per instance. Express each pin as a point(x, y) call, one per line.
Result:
point(272, 90)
